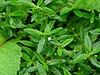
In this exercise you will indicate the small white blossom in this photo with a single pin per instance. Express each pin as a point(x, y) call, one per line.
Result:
point(49, 38)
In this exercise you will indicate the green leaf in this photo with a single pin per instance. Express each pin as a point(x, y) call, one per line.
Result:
point(33, 68)
point(39, 2)
point(25, 57)
point(66, 42)
point(66, 72)
point(33, 32)
point(55, 71)
point(95, 31)
point(54, 31)
point(81, 33)
point(3, 5)
point(61, 32)
point(40, 45)
point(59, 51)
point(56, 61)
point(50, 51)
point(27, 3)
point(18, 13)
point(39, 57)
point(55, 42)
point(95, 62)
point(88, 5)
point(27, 43)
point(2, 38)
point(46, 66)
point(78, 12)
point(33, 17)
point(86, 15)
point(49, 26)
point(49, 11)
point(41, 69)
point(28, 50)
point(77, 2)
point(69, 53)
point(9, 57)
point(66, 10)
point(87, 42)
point(92, 16)
point(80, 58)
point(96, 50)
point(48, 1)
point(96, 45)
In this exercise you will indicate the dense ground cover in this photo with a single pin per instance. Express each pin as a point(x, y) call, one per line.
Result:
point(49, 37)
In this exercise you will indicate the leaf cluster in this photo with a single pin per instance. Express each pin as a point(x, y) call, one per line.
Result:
point(56, 37)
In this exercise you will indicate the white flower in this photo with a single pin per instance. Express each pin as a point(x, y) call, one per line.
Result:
point(49, 38)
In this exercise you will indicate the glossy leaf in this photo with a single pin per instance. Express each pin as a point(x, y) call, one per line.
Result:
point(55, 71)
point(95, 31)
point(25, 57)
point(19, 13)
point(78, 12)
point(95, 62)
point(67, 41)
point(49, 26)
point(87, 42)
point(48, 1)
point(54, 31)
point(80, 58)
point(27, 43)
point(66, 72)
point(56, 61)
point(40, 69)
point(59, 51)
point(96, 50)
point(40, 45)
point(39, 57)
point(66, 10)
point(48, 10)
point(39, 2)
point(33, 32)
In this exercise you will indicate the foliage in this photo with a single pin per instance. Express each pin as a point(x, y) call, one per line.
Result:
point(56, 37)
point(9, 57)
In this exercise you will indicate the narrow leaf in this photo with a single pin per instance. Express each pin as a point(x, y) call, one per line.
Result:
point(55, 71)
point(66, 10)
point(40, 45)
point(41, 69)
point(56, 61)
point(59, 51)
point(66, 42)
point(66, 72)
point(33, 17)
point(25, 57)
point(49, 11)
point(95, 31)
point(49, 26)
point(87, 42)
point(78, 12)
point(96, 50)
point(33, 32)
point(95, 62)
point(18, 13)
point(48, 1)
point(27, 43)
point(54, 31)
point(39, 2)
point(80, 58)
point(39, 57)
